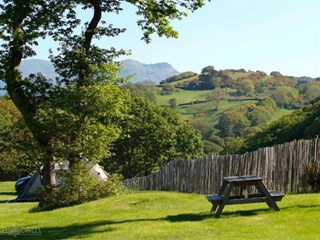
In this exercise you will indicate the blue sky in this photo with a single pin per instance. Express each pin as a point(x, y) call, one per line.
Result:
point(268, 35)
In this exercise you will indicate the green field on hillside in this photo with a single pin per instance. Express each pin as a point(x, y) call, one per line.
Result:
point(160, 215)
point(182, 96)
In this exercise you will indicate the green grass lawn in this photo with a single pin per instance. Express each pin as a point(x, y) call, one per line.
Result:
point(161, 215)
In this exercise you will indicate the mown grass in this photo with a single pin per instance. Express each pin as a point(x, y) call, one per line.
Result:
point(163, 215)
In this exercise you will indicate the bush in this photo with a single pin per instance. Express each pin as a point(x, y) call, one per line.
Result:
point(179, 77)
point(311, 178)
point(78, 187)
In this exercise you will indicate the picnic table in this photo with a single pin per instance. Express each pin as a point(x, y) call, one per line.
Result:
point(229, 183)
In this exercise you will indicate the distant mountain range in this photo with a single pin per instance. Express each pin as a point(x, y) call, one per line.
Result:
point(139, 71)
point(37, 65)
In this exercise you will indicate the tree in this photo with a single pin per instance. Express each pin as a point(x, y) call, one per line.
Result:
point(245, 87)
point(208, 78)
point(173, 103)
point(16, 143)
point(301, 124)
point(285, 97)
point(217, 95)
point(268, 102)
point(310, 90)
point(146, 89)
point(85, 71)
point(259, 115)
point(151, 136)
point(167, 89)
point(232, 124)
point(275, 74)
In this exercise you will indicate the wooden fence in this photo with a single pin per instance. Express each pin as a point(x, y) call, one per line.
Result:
point(281, 168)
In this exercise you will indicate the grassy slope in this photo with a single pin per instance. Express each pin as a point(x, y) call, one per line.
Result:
point(182, 96)
point(280, 113)
point(189, 112)
point(165, 215)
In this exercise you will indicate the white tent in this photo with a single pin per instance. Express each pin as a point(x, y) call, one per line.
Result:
point(31, 193)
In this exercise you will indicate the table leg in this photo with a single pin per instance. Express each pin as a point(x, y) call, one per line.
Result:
point(222, 188)
point(226, 195)
point(214, 207)
point(271, 203)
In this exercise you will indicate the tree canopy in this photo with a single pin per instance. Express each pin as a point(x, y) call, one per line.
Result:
point(151, 136)
point(301, 124)
point(75, 114)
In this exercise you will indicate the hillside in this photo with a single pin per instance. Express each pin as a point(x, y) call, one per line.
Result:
point(227, 105)
point(303, 123)
point(141, 72)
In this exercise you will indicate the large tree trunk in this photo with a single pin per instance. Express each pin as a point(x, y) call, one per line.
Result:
point(15, 90)
point(48, 182)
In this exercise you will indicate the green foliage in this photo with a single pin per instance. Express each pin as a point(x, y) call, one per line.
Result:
point(260, 115)
point(245, 87)
point(275, 73)
point(179, 77)
point(211, 148)
point(19, 154)
point(268, 102)
point(232, 144)
point(146, 89)
point(78, 187)
point(285, 97)
point(151, 136)
point(302, 123)
point(232, 123)
point(173, 103)
point(89, 128)
point(311, 178)
point(208, 79)
point(156, 15)
point(167, 89)
point(310, 90)
point(217, 95)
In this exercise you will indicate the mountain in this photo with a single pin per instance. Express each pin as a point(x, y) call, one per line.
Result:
point(140, 71)
point(38, 66)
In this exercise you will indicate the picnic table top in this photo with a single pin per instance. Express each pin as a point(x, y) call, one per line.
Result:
point(242, 178)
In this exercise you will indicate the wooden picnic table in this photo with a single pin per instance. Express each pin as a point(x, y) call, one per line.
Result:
point(229, 183)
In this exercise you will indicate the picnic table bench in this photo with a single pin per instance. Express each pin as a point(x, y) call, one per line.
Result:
point(223, 198)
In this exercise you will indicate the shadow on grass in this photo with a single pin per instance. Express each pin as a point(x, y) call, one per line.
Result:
point(8, 193)
point(302, 206)
point(8, 201)
point(246, 213)
point(188, 217)
point(55, 233)
point(254, 212)
point(83, 230)
point(87, 229)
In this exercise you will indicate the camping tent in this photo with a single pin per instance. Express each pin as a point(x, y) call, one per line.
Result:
point(30, 192)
